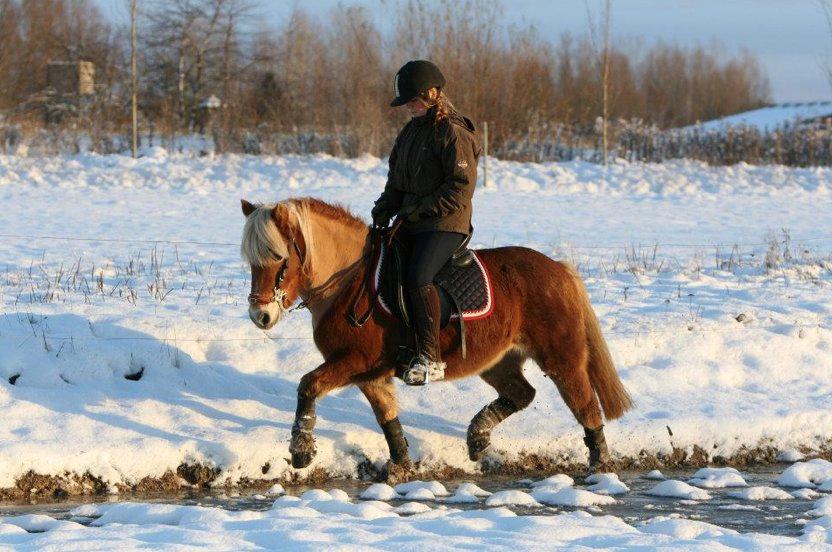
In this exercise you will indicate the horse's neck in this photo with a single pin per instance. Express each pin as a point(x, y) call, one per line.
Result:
point(337, 260)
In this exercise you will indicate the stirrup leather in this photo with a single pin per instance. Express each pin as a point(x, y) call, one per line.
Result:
point(422, 371)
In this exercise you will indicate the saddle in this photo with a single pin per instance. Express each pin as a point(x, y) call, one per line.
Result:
point(464, 286)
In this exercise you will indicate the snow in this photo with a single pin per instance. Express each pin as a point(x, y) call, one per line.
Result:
point(717, 478)
point(411, 508)
point(761, 493)
point(790, 455)
point(471, 488)
point(467, 493)
point(678, 489)
point(655, 475)
point(275, 490)
point(214, 390)
point(823, 507)
point(434, 487)
point(462, 497)
point(771, 117)
point(511, 498)
point(805, 494)
point(557, 480)
point(419, 494)
point(569, 496)
point(322, 524)
point(806, 474)
point(379, 491)
point(606, 483)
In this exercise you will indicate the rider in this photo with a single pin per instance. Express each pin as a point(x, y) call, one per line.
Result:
point(430, 183)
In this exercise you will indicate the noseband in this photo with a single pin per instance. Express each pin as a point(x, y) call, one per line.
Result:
point(279, 294)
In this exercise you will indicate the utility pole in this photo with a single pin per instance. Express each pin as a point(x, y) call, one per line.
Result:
point(606, 78)
point(603, 65)
point(134, 80)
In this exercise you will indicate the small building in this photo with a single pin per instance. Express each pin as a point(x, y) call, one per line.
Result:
point(772, 117)
point(71, 78)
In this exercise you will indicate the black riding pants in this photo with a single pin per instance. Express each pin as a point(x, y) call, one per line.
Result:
point(429, 251)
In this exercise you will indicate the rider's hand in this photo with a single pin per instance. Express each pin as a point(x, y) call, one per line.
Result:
point(381, 216)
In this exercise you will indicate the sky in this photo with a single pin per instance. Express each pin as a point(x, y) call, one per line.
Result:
point(789, 37)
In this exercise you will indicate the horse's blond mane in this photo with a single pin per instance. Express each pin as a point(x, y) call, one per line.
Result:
point(262, 242)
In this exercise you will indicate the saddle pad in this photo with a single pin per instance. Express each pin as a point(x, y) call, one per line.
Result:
point(469, 285)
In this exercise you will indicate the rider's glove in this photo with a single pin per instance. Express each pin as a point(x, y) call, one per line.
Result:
point(381, 216)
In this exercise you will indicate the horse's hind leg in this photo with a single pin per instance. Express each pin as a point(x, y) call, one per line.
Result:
point(566, 364)
point(516, 393)
point(381, 395)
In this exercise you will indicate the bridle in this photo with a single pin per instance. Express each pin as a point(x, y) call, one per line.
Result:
point(279, 294)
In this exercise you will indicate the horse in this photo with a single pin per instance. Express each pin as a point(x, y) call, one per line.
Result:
point(304, 248)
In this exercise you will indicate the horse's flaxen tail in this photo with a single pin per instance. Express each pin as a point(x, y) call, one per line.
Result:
point(614, 399)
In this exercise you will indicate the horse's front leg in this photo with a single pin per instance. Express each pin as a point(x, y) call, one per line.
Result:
point(381, 394)
point(332, 374)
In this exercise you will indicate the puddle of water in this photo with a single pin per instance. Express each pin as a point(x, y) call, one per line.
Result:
point(778, 517)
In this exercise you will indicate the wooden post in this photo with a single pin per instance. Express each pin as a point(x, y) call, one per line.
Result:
point(485, 154)
point(134, 80)
point(606, 77)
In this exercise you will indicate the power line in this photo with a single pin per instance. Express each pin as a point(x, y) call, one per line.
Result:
point(678, 330)
point(115, 240)
point(572, 246)
point(149, 338)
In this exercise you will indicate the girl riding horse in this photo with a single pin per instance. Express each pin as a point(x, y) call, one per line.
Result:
point(430, 183)
point(305, 248)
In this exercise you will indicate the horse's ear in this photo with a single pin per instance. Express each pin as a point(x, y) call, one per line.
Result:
point(248, 208)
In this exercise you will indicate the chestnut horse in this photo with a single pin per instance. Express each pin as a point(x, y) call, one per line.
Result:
point(308, 249)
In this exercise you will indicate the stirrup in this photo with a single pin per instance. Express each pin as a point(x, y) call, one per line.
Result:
point(421, 371)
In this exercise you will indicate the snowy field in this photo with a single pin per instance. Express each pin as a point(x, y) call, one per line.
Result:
point(130, 355)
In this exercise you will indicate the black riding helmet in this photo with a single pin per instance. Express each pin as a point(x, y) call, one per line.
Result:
point(415, 78)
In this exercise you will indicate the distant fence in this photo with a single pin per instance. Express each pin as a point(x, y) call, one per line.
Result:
point(792, 145)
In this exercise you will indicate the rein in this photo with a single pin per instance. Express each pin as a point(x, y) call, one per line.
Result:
point(378, 236)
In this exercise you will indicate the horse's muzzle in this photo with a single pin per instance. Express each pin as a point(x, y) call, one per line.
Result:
point(265, 316)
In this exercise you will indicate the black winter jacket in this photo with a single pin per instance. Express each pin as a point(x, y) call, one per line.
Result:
point(434, 165)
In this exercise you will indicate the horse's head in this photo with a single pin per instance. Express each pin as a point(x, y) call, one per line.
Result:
point(273, 239)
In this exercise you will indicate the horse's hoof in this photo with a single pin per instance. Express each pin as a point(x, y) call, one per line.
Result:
point(399, 472)
point(302, 449)
point(302, 459)
point(477, 445)
point(601, 465)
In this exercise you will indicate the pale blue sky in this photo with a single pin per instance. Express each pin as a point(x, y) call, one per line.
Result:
point(789, 37)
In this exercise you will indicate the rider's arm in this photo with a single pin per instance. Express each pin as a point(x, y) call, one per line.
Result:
point(459, 168)
point(391, 198)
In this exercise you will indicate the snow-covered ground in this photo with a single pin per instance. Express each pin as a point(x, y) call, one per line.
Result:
point(553, 513)
point(724, 348)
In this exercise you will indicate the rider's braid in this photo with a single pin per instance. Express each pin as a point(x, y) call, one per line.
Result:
point(443, 106)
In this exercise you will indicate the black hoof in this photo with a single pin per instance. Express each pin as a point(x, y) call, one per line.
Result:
point(302, 459)
point(399, 472)
point(477, 445)
point(302, 449)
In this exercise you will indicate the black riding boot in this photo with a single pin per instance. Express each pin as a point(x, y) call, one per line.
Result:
point(427, 365)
